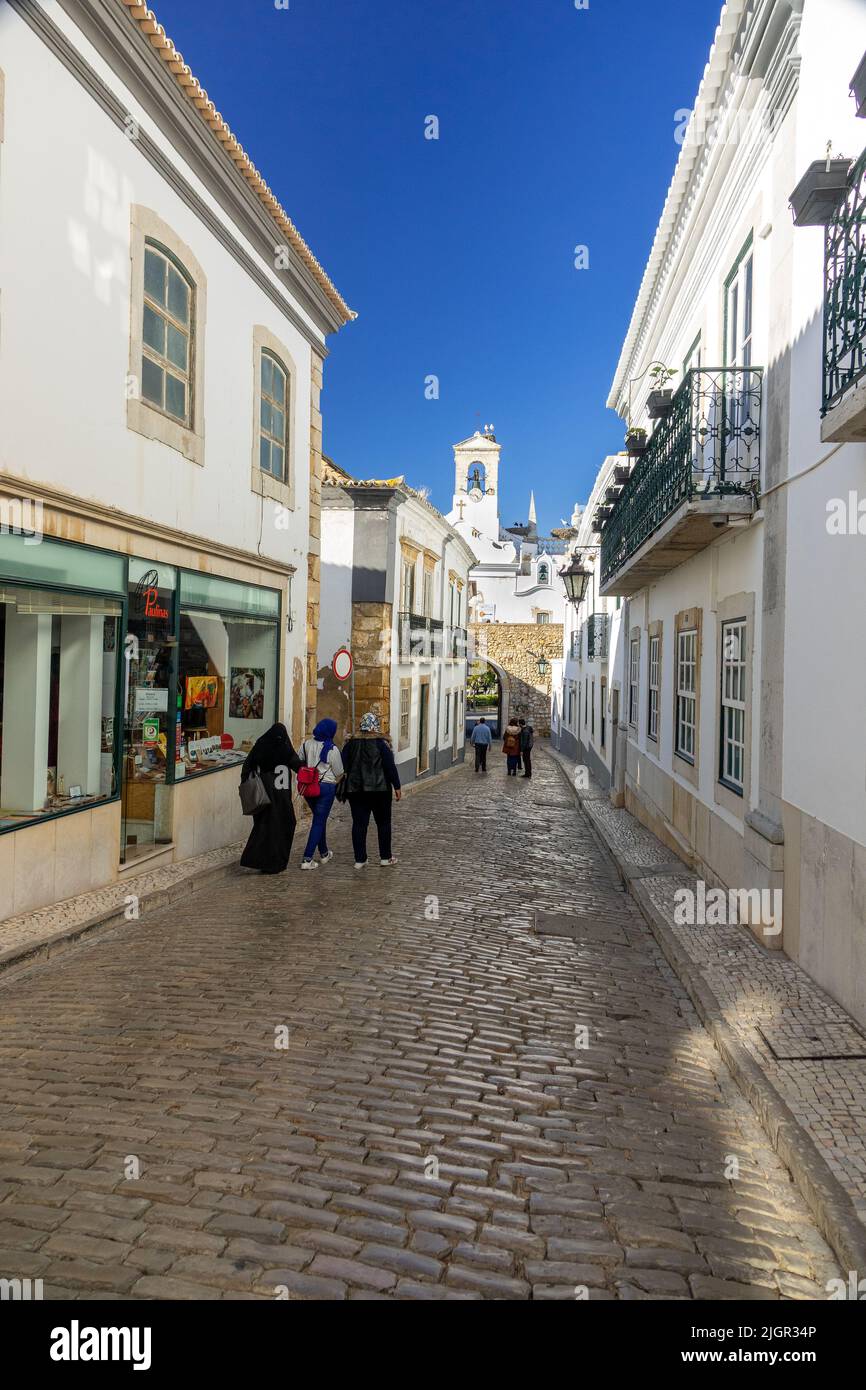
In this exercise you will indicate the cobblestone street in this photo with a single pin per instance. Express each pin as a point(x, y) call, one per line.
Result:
point(435, 1127)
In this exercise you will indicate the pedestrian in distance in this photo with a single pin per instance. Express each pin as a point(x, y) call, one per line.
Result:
point(270, 842)
point(371, 778)
point(317, 781)
point(511, 746)
point(527, 739)
point(481, 739)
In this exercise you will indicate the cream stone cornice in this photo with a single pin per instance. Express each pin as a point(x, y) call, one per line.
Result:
point(81, 509)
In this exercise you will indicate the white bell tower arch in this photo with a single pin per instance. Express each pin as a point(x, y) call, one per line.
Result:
point(476, 483)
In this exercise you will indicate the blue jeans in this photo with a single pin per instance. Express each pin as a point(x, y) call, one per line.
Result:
point(513, 763)
point(321, 805)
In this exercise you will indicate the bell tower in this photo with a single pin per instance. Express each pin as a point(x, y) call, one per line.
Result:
point(476, 483)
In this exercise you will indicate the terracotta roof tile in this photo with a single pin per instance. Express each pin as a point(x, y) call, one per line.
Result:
point(195, 93)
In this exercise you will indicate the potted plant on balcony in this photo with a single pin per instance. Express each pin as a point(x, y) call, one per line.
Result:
point(858, 87)
point(635, 441)
point(611, 494)
point(660, 397)
point(820, 191)
point(621, 473)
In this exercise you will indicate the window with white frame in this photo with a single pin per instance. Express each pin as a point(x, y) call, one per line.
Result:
point(633, 681)
point(407, 586)
point(685, 715)
point(273, 417)
point(405, 712)
point(167, 347)
point(653, 689)
point(427, 594)
point(542, 618)
point(733, 705)
point(448, 715)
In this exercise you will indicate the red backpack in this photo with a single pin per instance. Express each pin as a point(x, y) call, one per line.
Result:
point(309, 779)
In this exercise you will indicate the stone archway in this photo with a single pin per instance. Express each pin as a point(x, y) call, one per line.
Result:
point(512, 650)
point(496, 709)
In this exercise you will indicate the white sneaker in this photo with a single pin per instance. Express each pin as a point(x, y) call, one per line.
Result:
point(323, 858)
point(388, 862)
point(362, 865)
point(309, 864)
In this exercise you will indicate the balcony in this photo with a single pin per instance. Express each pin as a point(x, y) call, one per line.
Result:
point(414, 632)
point(597, 633)
point(844, 395)
point(458, 645)
point(699, 476)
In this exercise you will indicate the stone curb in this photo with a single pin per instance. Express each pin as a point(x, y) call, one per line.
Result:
point(829, 1203)
point(18, 958)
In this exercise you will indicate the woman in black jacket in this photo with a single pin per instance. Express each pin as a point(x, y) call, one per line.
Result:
point(270, 842)
point(371, 776)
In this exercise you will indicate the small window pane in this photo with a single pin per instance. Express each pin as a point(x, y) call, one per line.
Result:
point(154, 330)
point(279, 391)
point(177, 344)
point(175, 396)
point(267, 375)
point(267, 416)
point(264, 454)
point(178, 296)
point(154, 276)
point(276, 461)
point(278, 426)
point(151, 381)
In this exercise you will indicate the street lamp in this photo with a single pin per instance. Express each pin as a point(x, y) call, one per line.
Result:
point(543, 666)
point(575, 578)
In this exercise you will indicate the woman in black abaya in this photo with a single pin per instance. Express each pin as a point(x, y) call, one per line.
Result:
point(270, 842)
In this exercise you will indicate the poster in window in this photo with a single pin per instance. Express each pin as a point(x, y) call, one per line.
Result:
point(247, 693)
point(202, 692)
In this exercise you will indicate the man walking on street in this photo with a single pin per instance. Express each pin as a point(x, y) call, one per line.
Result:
point(527, 739)
point(481, 739)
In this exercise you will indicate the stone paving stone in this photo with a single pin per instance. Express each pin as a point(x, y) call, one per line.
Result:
point(557, 1166)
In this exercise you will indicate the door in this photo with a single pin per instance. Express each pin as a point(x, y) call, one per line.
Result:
point(424, 726)
point(150, 709)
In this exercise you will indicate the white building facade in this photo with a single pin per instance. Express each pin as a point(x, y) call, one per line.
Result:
point(743, 622)
point(395, 583)
point(588, 684)
point(514, 576)
point(163, 336)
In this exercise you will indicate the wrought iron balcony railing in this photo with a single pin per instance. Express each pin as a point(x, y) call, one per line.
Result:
point(414, 633)
point(845, 292)
point(459, 642)
point(708, 445)
point(597, 630)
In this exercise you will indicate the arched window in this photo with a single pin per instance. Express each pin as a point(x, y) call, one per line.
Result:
point(168, 349)
point(475, 477)
point(273, 420)
point(543, 573)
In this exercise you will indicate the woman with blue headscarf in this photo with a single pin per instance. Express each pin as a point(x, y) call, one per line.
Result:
point(321, 752)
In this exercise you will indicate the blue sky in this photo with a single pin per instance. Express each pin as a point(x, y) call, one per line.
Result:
point(556, 129)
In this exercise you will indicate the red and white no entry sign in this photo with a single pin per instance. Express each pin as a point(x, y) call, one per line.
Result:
point(342, 664)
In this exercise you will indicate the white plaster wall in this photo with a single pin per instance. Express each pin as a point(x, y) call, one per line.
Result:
point(825, 637)
point(335, 609)
point(64, 351)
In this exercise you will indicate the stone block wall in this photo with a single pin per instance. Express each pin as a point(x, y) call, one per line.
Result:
point(526, 695)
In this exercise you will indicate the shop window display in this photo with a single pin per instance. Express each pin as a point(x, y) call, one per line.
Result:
point(149, 717)
point(228, 671)
point(59, 655)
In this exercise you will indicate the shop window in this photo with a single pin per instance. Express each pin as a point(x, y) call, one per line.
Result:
point(273, 417)
point(228, 669)
point(59, 663)
point(149, 737)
